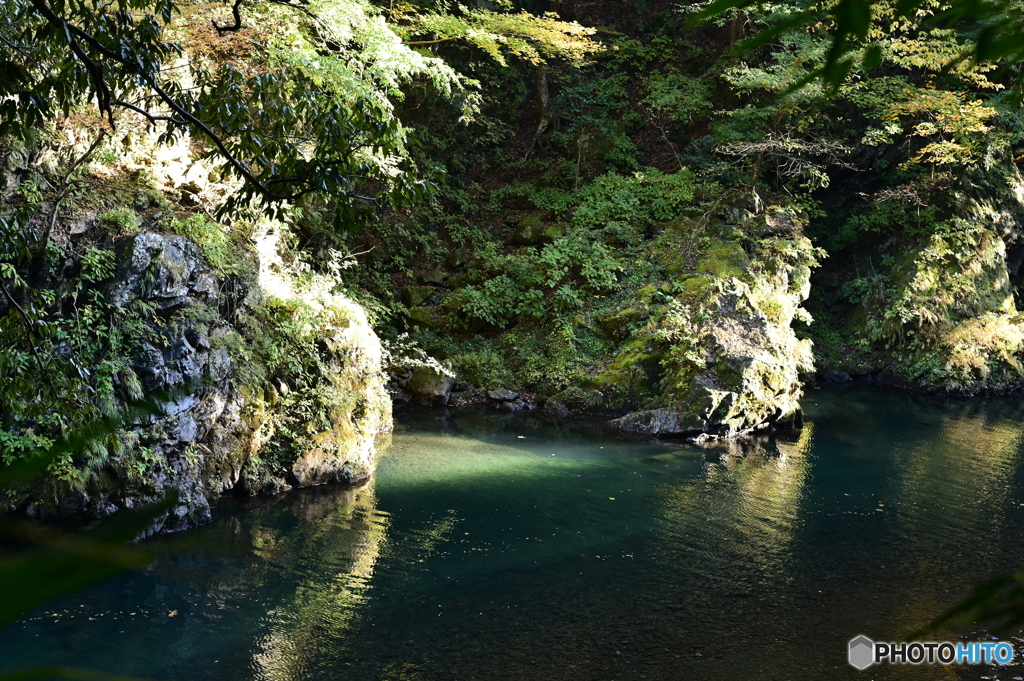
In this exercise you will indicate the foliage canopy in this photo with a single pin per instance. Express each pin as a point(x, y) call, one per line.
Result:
point(292, 98)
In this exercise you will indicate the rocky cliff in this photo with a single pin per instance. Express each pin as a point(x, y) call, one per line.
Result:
point(935, 309)
point(257, 383)
point(729, 356)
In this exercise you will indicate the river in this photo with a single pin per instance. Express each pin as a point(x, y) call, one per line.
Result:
point(507, 547)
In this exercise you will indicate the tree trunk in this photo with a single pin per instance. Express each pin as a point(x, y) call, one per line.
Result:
point(546, 118)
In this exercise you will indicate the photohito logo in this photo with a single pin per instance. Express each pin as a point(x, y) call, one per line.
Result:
point(863, 652)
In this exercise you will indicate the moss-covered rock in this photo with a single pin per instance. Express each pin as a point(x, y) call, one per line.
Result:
point(555, 231)
point(529, 229)
point(433, 277)
point(430, 386)
point(729, 359)
point(724, 259)
point(618, 324)
point(413, 296)
point(425, 317)
point(949, 315)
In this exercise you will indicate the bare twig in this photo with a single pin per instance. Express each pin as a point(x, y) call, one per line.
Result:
point(63, 187)
point(152, 118)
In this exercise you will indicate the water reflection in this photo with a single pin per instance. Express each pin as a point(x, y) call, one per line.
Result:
point(276, 583)
point(743, 511)
point(335, 558)
point(951, 490)
point(510, 549)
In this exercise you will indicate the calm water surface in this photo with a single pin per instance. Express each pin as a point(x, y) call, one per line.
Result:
point(507, 548)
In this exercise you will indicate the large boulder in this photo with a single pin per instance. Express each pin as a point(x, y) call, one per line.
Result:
point(431, 386)
point(746, 377)
point(722, 353)
point(501, 395)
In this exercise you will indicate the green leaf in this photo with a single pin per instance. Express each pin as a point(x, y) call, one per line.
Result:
point(1000, 599)
point(716, 8)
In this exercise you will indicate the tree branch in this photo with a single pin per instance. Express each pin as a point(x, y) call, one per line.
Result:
point(63, 186)
point(105, 99)
point(238, 165)
point(150, 117)
point(237, 14)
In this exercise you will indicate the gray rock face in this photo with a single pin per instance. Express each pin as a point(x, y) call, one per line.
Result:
point(167, 270)
point(742, 207)
point(664, 421)
point(430, 387)
point(186, 377)
point(206, 427)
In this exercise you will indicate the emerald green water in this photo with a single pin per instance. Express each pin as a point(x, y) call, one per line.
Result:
point(508, 548)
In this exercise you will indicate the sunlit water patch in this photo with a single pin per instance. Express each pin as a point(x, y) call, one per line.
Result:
point(492, 547)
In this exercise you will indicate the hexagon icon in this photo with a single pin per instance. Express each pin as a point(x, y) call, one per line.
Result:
point(862, 652)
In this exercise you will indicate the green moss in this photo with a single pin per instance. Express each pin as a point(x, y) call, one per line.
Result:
point(413, 296)
point(529, 230)
point(120, 220)
point(619, 324)
point(644, 295)
point(695, 286)
point(944, 313)
point(555, 231)
point(724, 259)
point(426, 317)
point(226, 249)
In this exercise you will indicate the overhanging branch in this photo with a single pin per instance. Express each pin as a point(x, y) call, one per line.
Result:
point(77, 40)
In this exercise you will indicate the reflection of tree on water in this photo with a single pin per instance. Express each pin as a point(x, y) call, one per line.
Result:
point(952, 490)
point(747, 500)
point(333, 553)
point(331, 548)
point(769, 477)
